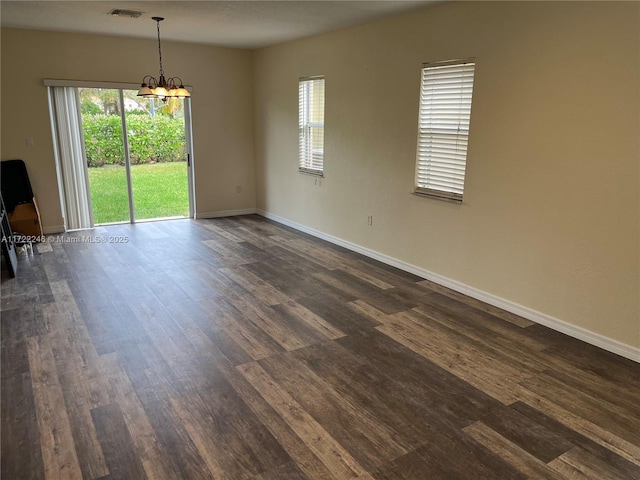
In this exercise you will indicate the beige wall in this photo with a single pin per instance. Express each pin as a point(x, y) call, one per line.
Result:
point(221, 106)
point(550, 218)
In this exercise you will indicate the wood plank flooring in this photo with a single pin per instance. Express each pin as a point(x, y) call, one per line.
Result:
point(238, 348)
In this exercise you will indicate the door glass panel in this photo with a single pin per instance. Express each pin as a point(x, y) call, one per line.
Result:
point(158, 154)
point(102, 129)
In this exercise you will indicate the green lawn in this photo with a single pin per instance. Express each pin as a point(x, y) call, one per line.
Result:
point(159, 190)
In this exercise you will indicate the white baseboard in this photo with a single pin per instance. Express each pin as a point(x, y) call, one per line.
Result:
point(53, 229)
point(225, 213)
point(606, 343)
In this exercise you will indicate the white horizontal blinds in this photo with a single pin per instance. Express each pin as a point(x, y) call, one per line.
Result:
point(311, 125)
point(443, 130)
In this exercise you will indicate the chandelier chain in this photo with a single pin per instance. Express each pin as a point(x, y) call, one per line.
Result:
point(159, 49)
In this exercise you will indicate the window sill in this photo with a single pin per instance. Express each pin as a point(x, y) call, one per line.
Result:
point(444, 196)
point(314, 173)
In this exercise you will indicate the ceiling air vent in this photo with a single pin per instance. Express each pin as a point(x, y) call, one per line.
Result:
point(118, 12)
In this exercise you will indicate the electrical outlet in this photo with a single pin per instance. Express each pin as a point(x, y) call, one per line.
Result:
point(370, 220)
point(29, 141)
point(238, 188)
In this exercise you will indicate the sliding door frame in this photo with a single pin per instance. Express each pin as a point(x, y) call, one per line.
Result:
point(48, 82)
point(127, 164)
point(188, 132)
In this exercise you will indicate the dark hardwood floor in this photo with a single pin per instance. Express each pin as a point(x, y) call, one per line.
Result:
point(240, 349)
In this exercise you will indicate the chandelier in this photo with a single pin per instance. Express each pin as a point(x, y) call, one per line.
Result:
point(161, 87)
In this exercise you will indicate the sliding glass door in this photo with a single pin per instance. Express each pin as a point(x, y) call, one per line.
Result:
point(136, 154)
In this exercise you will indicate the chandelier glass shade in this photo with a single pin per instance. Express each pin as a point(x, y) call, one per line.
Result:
point(161, 87)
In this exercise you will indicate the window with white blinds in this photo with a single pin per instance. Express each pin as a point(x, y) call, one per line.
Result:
point(311, 125)
point(446, 89)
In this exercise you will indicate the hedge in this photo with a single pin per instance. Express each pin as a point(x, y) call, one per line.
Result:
point(151, 139)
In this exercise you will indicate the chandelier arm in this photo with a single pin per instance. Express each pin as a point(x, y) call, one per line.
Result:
point(149, 80)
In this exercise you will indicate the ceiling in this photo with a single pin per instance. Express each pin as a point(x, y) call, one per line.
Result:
point(240, 24)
